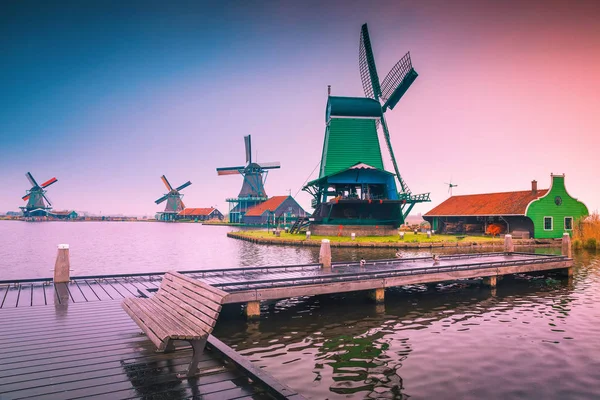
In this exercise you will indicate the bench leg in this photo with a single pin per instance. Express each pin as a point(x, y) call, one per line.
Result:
point(166, 347)
point(198, 347)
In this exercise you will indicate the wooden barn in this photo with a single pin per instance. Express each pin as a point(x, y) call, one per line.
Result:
point(278, 209)
point(536, 213)
point(199, 214)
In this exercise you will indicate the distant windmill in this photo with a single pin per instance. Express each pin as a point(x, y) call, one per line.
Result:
point(174, 204)
point(36, 196)
point(255, 174)
point(253, 187)
point(450, 186)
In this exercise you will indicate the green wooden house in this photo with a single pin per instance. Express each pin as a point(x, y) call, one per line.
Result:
point(543, 213)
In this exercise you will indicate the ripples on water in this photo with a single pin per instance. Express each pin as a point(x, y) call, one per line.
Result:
point(533, 337)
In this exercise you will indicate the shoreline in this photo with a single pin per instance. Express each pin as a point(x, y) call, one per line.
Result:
point(301, 242)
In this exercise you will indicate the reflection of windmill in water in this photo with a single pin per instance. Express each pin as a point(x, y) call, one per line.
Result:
point(38, 204)
point(253, 188)
point(174, 203)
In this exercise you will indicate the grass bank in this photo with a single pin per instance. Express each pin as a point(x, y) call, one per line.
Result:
point(586, 232)
point(410, 240)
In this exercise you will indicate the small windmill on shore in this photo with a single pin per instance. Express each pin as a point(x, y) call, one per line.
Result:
point(173, 197)
point(38, 203)
point(450, 186)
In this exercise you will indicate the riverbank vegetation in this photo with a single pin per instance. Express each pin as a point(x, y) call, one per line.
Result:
point(586, 232)
point(409, 237)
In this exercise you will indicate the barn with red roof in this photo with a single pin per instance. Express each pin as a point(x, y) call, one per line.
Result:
point(539, 213)
point(276, 210)
point(200, 214)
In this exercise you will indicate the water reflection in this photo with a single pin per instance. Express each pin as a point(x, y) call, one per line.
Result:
point(342, 346)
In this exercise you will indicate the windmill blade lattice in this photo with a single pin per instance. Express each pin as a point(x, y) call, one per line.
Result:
point(366, 64)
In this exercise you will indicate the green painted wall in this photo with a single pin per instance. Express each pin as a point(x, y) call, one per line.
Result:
point(349, 141)
point(547, 207)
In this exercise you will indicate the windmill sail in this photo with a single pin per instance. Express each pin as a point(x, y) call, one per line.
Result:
point(397, 82)
point(248, 146)
point(366, 63)
point(31, 180)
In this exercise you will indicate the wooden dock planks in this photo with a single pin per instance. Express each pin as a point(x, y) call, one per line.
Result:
point(94, 350)
point(254, 279)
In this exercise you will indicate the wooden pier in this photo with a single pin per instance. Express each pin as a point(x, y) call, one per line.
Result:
point(246, 285)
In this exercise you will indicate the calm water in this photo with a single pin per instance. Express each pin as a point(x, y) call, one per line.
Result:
point(532, 338)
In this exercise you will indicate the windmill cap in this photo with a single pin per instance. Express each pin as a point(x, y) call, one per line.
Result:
point(63, 246)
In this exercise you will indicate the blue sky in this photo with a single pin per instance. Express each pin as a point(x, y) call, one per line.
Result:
point(108, 96)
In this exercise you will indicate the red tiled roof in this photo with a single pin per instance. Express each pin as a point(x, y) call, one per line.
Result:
point(269, 205)
point(196, 212)
point(507, 203)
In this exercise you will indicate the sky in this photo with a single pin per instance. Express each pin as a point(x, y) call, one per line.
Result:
point(109, 95)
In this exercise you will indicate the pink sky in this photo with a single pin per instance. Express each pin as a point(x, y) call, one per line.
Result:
point(507, 92)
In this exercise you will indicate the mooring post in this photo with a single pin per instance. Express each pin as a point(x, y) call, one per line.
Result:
point(377, 295)
point(566, 250)
point(62, 265)
point(509, 246)
point(325, 254)
point(307, 234)
point(566, 245)
point(253, 310)
point(353, 236)
point(490, 281)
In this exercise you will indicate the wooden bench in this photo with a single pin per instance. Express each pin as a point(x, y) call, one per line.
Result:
point(182, 309)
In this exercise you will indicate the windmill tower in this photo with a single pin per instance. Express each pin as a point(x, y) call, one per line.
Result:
point(253, 188)
point(352, 169)
point(38, 203)
point(173, 197)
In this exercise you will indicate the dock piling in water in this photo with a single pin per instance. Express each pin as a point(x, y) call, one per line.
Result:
point(509, 246)
point(325, 254)
point(253, 309)
point(490, 281)
point(62, 265)
point(377, 295)
point(566, 250)
point(566, 245)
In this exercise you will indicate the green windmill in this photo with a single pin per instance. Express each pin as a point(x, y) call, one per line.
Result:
point(353, 188)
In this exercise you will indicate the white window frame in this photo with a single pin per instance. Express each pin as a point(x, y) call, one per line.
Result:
point(551, 224)
point(565, 224)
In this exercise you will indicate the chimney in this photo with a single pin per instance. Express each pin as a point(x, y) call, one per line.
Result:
point(328, 90)
point(534, 186)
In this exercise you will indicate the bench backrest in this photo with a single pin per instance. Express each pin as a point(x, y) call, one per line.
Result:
point(194, 301)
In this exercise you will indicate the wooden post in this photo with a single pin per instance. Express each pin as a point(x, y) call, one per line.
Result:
point(567, 250)
point(509, 246)
point(490, 281)
point(62, 265)
point(377, 295)
point(253, 310)
point(566, 245)
point(325, 254)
